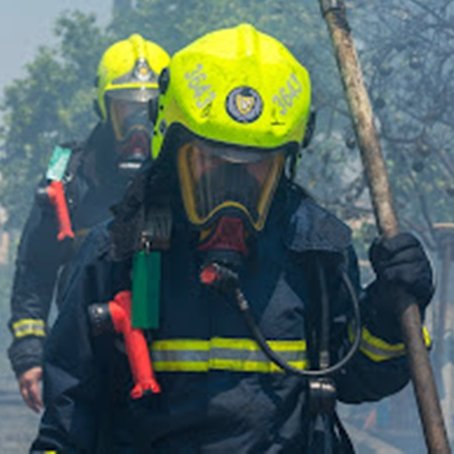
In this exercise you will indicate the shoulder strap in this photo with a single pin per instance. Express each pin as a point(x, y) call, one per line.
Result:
point(75, 161)
point(313, 228)
point(345, 442)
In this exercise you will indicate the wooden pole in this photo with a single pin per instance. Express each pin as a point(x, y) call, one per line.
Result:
point(334, 13)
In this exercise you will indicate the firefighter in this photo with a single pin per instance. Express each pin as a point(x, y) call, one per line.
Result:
point(238, 282)
point(81, 182)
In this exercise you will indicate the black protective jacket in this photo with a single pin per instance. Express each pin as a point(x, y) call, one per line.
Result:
point(91, 185)
point(219, 392)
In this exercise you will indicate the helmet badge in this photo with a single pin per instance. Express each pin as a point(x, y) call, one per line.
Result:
point(142, 71)
point(244, 104)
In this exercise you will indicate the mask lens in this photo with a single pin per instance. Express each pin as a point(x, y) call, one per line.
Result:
point(216, 178)
point(128, 112)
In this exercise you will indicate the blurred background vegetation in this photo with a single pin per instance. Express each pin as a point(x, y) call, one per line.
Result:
point(407, 52)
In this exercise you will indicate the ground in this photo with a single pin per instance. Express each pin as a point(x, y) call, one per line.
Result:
point(17, 424)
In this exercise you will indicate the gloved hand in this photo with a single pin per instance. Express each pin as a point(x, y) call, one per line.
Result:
point(401, 261)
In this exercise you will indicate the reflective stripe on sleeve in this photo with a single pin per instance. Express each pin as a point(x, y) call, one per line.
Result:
point(239, 355)
point(29, 327)
point(378, 349)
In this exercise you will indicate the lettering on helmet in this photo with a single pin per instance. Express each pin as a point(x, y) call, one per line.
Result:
point(286, 95)
point(203, 92)
point(244, 104)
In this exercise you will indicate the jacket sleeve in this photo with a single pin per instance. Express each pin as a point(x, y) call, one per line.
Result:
point(380, 367)
point(75, 362)
point(38, 260)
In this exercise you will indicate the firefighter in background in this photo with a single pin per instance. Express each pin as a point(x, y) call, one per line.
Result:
point(82, 181)
point(226, 268)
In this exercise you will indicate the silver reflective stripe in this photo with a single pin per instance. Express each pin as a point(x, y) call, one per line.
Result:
point(378, 354)
point(187, 355)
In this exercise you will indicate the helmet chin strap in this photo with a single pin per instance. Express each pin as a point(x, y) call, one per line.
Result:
point(225, 243)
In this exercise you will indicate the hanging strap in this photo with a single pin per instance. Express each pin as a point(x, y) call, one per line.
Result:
point(146, 279)
point(346, 444)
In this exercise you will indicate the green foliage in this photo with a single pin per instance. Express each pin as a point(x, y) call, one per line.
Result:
point(405, 61)
point(51, 104)
point(407, 55)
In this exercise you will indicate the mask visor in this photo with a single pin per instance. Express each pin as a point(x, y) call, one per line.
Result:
point(128, 112)
point(217, 179)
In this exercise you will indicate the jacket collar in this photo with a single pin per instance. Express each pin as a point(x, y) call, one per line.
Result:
point(313, 228)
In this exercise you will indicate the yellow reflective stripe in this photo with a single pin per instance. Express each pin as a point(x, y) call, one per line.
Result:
point(181, 344)
point(27, 321)
point(251, 366)
point(426, 337)
point(220, 364)
point(378, 349)
point(29, 327)
point(180, 366)
point(249, 344)
point(239, 355)
point(81, 233)
point(230, 343)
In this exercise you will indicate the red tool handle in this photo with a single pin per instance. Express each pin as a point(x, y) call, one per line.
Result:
point(136, 346)
point(56, 194)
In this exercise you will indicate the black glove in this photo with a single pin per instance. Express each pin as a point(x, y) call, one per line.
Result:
point(402, 261)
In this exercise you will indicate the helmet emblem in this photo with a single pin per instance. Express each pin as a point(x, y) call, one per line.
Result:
point(142, 71)
point(244, 104)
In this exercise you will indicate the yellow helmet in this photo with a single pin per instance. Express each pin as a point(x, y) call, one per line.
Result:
point(130, 64)
point(236, 86)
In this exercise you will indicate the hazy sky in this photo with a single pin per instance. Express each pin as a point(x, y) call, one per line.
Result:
point(27, 24)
